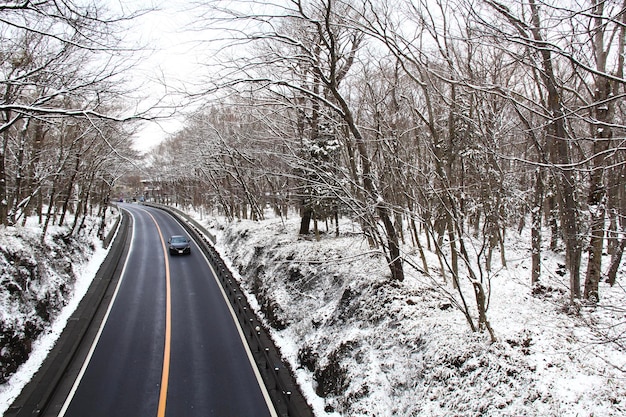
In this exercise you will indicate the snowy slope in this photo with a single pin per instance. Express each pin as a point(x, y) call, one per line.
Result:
point(364, 346)
point(40, 286)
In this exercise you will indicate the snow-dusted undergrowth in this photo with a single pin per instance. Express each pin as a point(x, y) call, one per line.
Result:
point(364, 346)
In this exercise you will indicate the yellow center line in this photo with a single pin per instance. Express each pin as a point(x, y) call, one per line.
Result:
point(168, 327)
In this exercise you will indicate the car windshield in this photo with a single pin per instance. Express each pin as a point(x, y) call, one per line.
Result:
point(179, 239)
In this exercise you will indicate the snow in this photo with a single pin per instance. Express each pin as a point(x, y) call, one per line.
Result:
point(386, 349)
point(402, 350)
point(84, 263)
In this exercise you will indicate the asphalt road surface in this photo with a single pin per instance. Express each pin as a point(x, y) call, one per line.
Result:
point(169, 344)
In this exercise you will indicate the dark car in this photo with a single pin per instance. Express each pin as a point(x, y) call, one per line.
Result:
point(179, 245)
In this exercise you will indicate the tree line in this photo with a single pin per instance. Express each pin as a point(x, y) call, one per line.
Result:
point(64, 143)
point(440, 125)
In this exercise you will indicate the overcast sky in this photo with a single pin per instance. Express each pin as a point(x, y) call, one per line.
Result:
point(172, 59)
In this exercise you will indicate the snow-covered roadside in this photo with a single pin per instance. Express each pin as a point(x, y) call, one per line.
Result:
point(362, 346)
point(84, 260)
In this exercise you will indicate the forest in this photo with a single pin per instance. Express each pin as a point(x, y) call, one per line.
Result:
point(68, 110)
point(431, 130)
point(436, 125)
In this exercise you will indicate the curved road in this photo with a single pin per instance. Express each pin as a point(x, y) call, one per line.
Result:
point(169, 344)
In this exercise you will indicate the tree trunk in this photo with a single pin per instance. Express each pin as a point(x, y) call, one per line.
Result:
point(536, 214)
point(69, 190)
point(51, 203)
point(19, 177)
point(305, 221)
point(553, 216)
point(594, 264)
point(616, 259)
point(483, 323)
point(4, 202)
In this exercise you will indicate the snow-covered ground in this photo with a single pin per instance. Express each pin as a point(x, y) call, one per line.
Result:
point(364, 346)
point(40, 287)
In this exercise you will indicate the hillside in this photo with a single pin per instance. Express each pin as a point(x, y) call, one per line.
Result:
point(364, 346)
point(40, 286)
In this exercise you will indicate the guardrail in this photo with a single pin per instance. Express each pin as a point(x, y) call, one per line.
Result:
point(279, 379)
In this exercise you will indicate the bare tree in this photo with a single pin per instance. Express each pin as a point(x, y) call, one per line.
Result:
point(608, 31)
point(328, 46)
point(61, 59)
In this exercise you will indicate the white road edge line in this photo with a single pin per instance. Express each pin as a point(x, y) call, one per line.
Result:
point(255, 369)
point(257, 374)
point(70, 397)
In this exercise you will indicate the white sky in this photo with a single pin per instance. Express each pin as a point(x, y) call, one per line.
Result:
point(170, 62)
point(178, 55)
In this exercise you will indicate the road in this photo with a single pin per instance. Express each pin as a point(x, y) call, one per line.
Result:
point(169, 344)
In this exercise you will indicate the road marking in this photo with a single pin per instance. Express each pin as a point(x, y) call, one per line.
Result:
point(168, 332)
point(255, 369)
point(165, 376)
point(92, 349)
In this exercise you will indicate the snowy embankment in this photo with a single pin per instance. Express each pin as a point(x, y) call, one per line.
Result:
point(41, 284)
point(364, 346)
